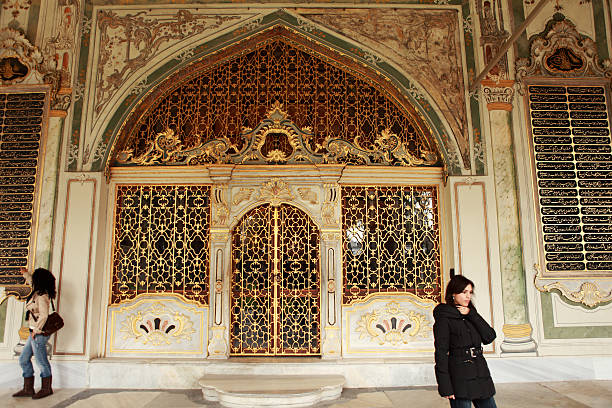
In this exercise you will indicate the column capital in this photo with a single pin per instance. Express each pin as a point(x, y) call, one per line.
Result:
point(498, 94)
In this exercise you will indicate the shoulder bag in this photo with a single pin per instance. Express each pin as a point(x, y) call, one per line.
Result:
point(54, 323)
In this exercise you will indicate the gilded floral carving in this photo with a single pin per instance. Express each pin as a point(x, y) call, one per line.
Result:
point(244, 194)
point(19, 60)
point(275, 191)
point(388, 149)
point(588, 292)
point(157, 325)
point(328, 211)
point(308, 195)
point(392, 324)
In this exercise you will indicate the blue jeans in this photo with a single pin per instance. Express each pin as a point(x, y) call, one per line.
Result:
point(478, 403)
point(38, 348)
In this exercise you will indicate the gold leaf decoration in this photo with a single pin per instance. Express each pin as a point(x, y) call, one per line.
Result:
point(158, 326)
point(393, 325)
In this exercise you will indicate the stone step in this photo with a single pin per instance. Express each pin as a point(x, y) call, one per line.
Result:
point(279, 391)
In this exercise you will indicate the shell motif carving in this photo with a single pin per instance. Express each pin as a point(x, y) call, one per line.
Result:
point(157, 326)
point(393, 325)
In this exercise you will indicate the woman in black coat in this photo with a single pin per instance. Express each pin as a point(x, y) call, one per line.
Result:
point(459, 332)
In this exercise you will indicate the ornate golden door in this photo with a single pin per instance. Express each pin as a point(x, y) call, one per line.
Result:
point(275, 285)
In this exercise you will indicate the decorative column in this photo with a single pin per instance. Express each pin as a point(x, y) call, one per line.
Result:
point(517, 329)
point(218, 329)
point(331, 262)
point(220, 247)
point(330, 279)
point(49, 188)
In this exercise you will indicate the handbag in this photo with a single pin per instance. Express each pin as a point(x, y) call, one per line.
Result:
point(54, 323)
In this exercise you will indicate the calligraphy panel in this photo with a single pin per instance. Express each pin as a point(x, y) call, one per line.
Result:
point(572, 153)
point(21, 124)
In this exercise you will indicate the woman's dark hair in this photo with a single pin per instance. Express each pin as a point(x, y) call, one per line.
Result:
point(456, 285)
point(43, 282)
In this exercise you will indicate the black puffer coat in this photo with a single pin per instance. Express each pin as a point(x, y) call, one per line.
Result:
point(458, 374)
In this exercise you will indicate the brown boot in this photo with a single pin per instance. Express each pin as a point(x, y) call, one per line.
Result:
point(45, 390)
point(28, 388)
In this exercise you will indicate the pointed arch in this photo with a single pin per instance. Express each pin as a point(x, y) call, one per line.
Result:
point(405, 92)
point(224, 95)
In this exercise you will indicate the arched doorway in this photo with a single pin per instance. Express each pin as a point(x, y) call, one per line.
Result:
point(275, 283)
point(276, 118)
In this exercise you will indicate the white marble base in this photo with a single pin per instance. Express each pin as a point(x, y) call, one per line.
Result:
point(359, 373)
point(525, 345)
point(287, 391)
point(66, 374)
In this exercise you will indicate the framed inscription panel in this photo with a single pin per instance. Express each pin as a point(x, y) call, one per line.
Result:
point(23, 121)
point(572, 162)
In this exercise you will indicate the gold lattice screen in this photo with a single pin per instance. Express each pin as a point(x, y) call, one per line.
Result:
point(275, 289)
point(161, 241)
point(224, 100)
point(391, 241)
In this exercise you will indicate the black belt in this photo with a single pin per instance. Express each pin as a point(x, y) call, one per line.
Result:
point(466, 352)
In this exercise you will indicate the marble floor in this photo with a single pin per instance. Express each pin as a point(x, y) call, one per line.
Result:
point(567, 394)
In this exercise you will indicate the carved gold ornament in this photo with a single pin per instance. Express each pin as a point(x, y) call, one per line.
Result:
point(588, 293)
point(308, 195)
point(219, 236)
point(275, 191)
point(393, 325)
point(331, 285)
point(18, 58)
point(244, 194)
point(222, 214)
point(390, 150)
point(328, 211)
point(218, 287)
point(157, 326)
point(562, 52)
point(331, 236)
point(277, 140)
point(167, 148)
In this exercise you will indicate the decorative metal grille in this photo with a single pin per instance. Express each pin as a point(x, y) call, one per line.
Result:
point(391, 241)
point(573, 161)
point(161, 242)
point(275, 299)
point(21, 121)
point(227, 99)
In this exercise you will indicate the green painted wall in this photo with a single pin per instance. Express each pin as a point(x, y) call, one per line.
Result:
point(552, 332)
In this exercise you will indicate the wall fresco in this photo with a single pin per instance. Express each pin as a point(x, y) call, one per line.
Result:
point(413, 39)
